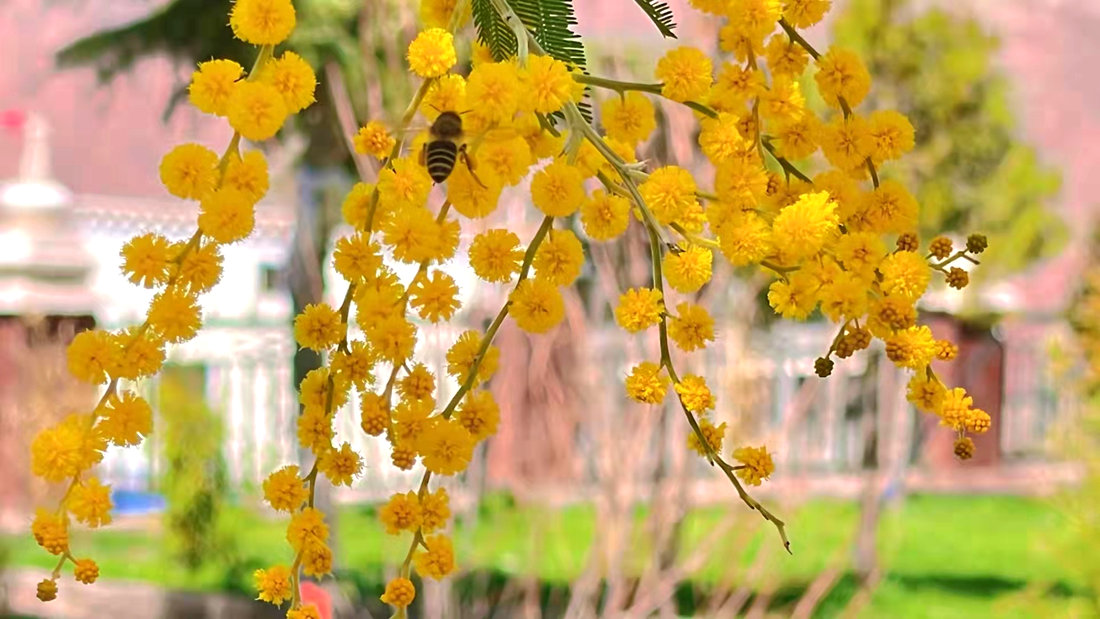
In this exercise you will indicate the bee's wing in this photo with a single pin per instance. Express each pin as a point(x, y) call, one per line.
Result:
point(418, 126)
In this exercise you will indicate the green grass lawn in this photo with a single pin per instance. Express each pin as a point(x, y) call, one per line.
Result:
point(948, 556)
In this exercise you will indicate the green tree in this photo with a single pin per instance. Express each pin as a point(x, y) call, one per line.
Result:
point(969, 170)
point(194, 480)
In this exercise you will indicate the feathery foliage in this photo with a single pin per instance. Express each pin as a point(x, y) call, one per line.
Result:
point(660, 14)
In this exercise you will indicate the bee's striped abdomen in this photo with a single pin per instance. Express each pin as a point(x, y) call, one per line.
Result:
point(440, 159)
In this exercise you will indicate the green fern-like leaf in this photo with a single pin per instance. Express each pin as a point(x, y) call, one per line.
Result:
point(492, 31)
point(660, 14)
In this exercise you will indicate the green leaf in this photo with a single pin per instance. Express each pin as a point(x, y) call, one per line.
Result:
point(660, 14)
point(492, 31)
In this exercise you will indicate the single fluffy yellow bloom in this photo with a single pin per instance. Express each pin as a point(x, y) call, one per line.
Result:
point(227, 215)
point(629, 117)
point(746, 238)
point(646, 383)
point(756, 464)
point(504, 154)
point(696, 395)
point(474, 197)
point(639, 309)
point(794, 298)
point(479, 414)
point(293, 78)
point(439, 560)
point(721, 141)
point(495, 255)
point(340, 466)
point(50, 531)
point(685, 74)
point(715, 435)
point(413, 233)
point(905, 274)
point(256, 110)
point(461, 356)
point(846, 143)
point(201, 268)
point(692, 327)
point(274, 584)
point(174, 314)
point(925, 392)
point(889, 208)
point(405, 184)
point(432, 53)
point(400, 592)
point(559, 258)
point(125, 419)
point(805, 13)
point(605, 216)
point(496, 88)
point(85, 571)
point(62, 451)
point(435, 297)
point(356, 206)
point(401, 513)
point(90, 502)
point(141, 354)
point(146, 260)
point(307, 527)
point(446, 447)
point(247, 174)
point(688, 270)
point(913, 348)
point(802, 229)
point(536, 305)
point(393, 338)
point(212, 84)
point(284, 489)
point(318, 327)
point(262, 22)
point(550, 84)
point(892, 134)
point(356, 257)
point(669, 192)
point(446, 94)
point(558, 189)
point(842, 75)
point(190, 171)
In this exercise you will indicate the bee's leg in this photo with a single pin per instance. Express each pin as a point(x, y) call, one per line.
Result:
point(469, 164)
point(424, 154)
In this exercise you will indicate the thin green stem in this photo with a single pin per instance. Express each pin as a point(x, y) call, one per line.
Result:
point(695, 238)
point(655, 89)
point(797, 38)
point(491, 332)
point(617, 85)
point(873, 171)
point(788, 167)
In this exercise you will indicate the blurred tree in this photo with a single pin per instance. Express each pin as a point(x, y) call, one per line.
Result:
point(970, 170)
point(194, 481)
point(1082, 440)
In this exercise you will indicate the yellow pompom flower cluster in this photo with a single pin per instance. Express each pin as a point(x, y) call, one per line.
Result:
point(824, 240)
point(225, 189)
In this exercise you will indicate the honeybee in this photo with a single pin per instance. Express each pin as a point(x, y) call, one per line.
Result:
point(444, 147)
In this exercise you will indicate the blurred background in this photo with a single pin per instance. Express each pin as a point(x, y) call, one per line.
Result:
point(583, 504)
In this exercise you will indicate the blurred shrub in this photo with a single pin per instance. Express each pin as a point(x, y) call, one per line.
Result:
point(970, 170)
point(194, 480)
